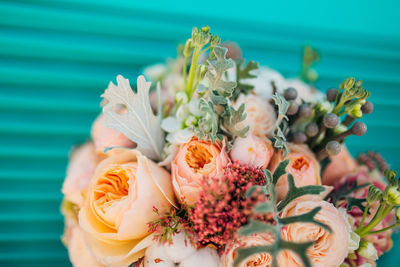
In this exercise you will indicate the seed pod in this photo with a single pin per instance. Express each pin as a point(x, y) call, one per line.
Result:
point(333, 148)
point(293, 108)
point(331, 120)
point(311, 129)
point(305, 110)
point(358, 128)
point(331, 94)
point(367, 108)
point(290, 93)
point(299, 137)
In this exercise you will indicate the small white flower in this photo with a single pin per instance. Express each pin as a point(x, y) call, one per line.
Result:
point(180, 249)
point(367, 250)
point(154, 72)
point(203, 257)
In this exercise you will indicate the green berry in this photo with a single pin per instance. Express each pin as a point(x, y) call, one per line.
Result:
point(290, 93)
point(333, 148)
point(312, 129)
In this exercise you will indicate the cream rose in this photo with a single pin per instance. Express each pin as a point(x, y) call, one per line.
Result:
point(104, 137)
point(119, 204)
point(303, 166)
point(78, 251)
point(82, 164)
point(330, 248)
point(253, 151)
point(194, 160)
point(260, 117)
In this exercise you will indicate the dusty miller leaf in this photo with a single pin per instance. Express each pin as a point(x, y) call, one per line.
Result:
point(136, 119)
point(355, 202)
point(216, 71)
point(230, 119)
point(244, 73)
point(295, 192)
point(255, 226)
point(280, 170)
point(306, 217)
point(208, 124)
point(280, 139)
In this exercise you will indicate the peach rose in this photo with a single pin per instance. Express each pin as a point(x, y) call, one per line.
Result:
point(194, 160)
point(340, 165)
point(119, 204)
point(78, 251)
point(256, 260)
point(261, 115)
point(104, 137)
point(330, 248)
point(303, 166)
point(253, 151)
point(83, 162)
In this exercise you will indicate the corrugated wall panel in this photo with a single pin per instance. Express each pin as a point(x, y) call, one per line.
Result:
point(56, 58)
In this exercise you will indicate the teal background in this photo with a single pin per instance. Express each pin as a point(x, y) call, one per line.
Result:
point(56, 58)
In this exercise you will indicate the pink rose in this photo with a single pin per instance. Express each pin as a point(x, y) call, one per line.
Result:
point(330, 248)
point(253, 151)
point(340, 165)
point(104, 137)
point(120, 199)
point(303, 166)
point(83, 162)
point(194, 160)
point(261, 115)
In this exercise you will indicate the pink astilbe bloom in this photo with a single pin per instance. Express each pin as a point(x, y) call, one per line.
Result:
point(222, 207)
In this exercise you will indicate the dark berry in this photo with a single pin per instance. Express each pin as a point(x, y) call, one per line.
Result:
point(331, 120)
point(367, 108)
point(290, 93)
point(331, 94)
point(359, 128)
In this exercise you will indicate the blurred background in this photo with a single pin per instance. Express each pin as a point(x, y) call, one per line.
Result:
point(57, 57)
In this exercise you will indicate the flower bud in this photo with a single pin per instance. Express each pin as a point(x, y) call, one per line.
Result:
point(374, 194)
point(188, 48)
point(392, 196)
point(181, 97)
point(201, 72)
point(367, 250)
point(356, 111)
point(191, 120)
point(348, 83)
point(182, 112)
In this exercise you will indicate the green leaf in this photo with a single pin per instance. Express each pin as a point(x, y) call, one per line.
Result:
point(299, 248)
point(280, 170)
point(208, 124)
point(265, 207)
point(295, 192)
point(306, 217)
point(279, 138)
point(356, 202)
point(261, 188)
point(257, 227)
point(230, 119)
point(244, 73)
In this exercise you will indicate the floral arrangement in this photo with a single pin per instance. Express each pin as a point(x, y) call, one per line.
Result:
point(221, 162)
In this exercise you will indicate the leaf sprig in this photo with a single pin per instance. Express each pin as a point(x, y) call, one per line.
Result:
point(281, 123)
point(220, 117)
point(244, 73)
point(255, 226)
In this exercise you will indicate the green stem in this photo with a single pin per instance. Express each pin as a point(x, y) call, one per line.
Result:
point(195, 58)
point(383, 230)
point(185, 70)
point(363, 231)
point(364, 215)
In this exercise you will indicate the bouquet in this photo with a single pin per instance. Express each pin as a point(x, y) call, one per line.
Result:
point(214, 161)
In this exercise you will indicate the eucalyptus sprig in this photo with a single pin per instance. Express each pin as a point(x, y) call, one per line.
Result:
point(270, 206)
